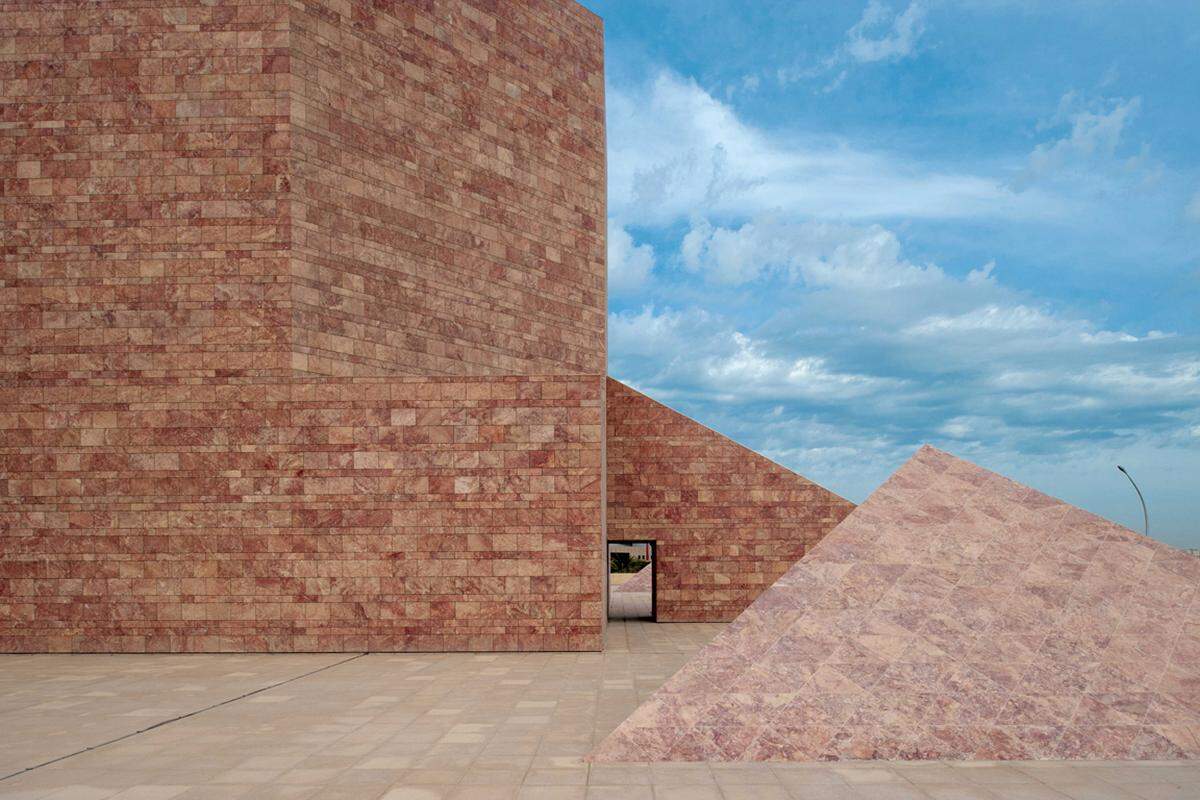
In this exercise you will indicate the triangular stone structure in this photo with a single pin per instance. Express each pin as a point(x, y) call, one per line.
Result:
point(726, 521)
point(955, 614)
point(640, 582)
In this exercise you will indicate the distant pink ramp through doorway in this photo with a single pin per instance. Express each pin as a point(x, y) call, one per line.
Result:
point(640, 582)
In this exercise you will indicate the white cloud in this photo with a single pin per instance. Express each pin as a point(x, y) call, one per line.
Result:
point(676, 151)
point(1020, 320)
point(881, 35)
point(749, 83)
point(821, 254)
point(704, 355)
point(1089, 148)
point(653, 332)
point(974, 428)
point(748, 368)
point(958, 428)
point(854, 319)
point(990, 318)
point(830, 348)
point(1093, 133)
point(854, 459)
point(856, 279)
point(869, 355)
point(1178, 380)
point(629, 264)
point(1107, 386)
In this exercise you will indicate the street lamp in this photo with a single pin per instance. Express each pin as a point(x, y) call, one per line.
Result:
point(1145, 513)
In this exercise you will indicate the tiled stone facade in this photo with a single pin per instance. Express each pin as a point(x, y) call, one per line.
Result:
point(339, 187)
point(728, 522)
point(301, 514)
point(447, 177)
point(213, 209)
point(144, 163)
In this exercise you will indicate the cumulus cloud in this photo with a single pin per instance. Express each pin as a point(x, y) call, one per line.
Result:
point(651, 330)
point(821, 254)
point(1178, 380)
point(749, 367)
point(705, 356)
point(629, 264)
point(856, 279)
point(855, 319)
point(1072, 463)
point(1018, 321)
point(749, 84)
point(865, 355)
point(675, 151)
point(791, 313)
point(964, 427)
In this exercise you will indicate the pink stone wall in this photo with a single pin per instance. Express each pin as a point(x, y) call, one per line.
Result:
point(301, 514)
point(335, 187)
point(205, 206)
point(728, 522)
point(447, 176)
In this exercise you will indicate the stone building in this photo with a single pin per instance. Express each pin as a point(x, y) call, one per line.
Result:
point(304, 337)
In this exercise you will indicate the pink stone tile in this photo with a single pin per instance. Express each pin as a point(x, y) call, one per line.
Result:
point(791, 742)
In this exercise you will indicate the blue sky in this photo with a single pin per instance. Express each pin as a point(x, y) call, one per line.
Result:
point(840, 230)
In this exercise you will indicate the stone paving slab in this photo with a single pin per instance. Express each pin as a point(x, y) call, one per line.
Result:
point(630, 605)
point(461, 726)
point(54, 705)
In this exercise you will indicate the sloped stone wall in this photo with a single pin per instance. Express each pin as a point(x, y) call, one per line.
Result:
point(727, 521)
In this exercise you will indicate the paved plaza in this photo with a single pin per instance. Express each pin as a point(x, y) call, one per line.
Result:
point(459, 726)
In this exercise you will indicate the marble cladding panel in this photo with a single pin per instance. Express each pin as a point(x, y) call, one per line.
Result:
point(727, 521)
point(301, 514)
point(955, 614)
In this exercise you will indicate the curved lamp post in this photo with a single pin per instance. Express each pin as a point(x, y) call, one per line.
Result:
point(1145, 513)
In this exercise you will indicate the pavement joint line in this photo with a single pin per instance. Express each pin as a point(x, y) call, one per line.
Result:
point(161, 723)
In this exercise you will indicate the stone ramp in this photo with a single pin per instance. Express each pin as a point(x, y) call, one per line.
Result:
point(640, 582)
point(955, 614)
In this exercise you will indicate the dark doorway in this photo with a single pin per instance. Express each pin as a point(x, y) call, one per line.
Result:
point(632, 580)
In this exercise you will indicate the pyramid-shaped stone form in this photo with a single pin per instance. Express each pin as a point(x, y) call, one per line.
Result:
point(955, 614)
point(643, 581)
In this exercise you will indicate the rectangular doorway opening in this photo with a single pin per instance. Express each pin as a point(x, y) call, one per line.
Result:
point(632, 580)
